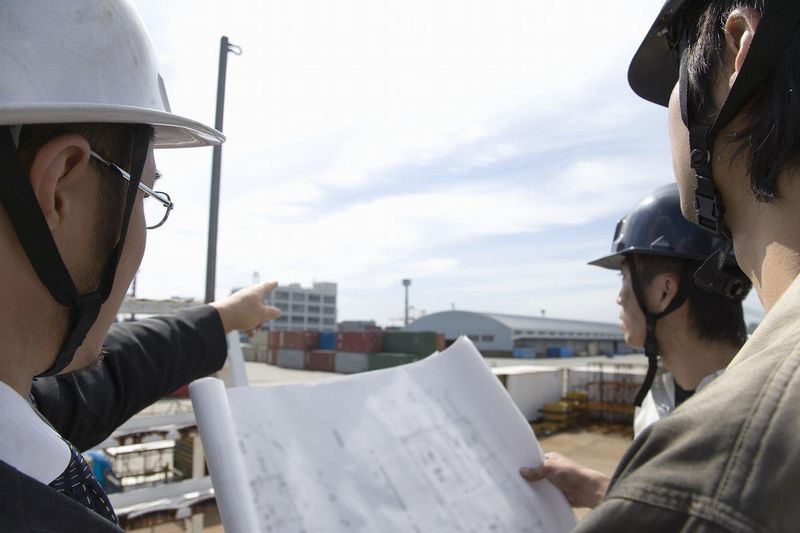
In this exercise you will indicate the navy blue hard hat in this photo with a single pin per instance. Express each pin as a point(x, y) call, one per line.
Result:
point(656, 226)
point(654, 69)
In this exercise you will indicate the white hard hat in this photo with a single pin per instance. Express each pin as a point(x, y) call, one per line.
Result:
point(86, 61)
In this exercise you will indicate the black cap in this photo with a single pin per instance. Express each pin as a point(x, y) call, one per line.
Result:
point(656, 226)
point(654, 69)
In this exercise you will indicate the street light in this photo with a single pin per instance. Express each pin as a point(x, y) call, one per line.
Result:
point(406, 284)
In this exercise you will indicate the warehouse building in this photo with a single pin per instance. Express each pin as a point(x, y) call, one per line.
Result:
point(497, 334)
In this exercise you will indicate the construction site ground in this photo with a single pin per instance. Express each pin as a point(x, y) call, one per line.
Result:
point(593, 449)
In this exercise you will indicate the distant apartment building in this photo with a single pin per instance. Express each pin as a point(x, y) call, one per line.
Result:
point(310, 309)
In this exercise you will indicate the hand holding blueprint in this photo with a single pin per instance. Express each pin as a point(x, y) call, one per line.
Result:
point(433, 446)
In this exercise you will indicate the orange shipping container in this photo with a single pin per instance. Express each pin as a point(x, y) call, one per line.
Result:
point(293, 340)
point(360, 341)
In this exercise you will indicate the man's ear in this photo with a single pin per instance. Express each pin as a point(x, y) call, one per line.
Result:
point(740, 28)
point(56, 165)
point(663, 290)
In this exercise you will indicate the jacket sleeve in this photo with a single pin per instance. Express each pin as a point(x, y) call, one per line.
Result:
point(146, 360)
point(621, 514)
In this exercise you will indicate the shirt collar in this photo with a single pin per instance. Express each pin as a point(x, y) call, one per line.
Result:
point(26, 442)
point(779, 323)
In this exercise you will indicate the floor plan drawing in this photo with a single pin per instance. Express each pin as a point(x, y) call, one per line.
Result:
point(430, 447)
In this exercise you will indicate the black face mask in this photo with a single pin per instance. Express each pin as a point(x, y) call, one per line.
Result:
point(21, 206)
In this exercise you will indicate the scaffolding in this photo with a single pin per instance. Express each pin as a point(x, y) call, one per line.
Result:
point(611, 391)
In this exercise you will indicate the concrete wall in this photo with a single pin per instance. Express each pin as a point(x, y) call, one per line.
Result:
point(531, 387)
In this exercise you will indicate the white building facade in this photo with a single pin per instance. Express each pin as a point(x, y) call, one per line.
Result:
point(304, 308)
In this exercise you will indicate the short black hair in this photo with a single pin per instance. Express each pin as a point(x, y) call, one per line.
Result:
point(771, 138)
point(712, 316)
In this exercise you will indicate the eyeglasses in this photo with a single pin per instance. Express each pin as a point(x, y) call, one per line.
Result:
point(156, 211)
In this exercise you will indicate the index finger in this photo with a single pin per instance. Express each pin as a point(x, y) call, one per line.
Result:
point(265, 288)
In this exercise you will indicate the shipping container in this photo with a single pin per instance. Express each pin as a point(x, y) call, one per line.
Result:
point(327, 340)
point(359, 341)
point(421, 343)
point(531, 387)
point(296, 340)
point(378, 361)
point(260, 338)
point(560, 351)
point(262, 354)
point(524, 353)
point(351, 362)
point(250, 352)
point(321, 360)
point(291, 358)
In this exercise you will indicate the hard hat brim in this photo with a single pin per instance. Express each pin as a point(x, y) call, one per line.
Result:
point(611, 262)
point(654, 69)
point(614, 261)
point(172, 131)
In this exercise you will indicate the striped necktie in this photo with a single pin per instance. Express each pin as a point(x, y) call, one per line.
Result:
point(78, 482)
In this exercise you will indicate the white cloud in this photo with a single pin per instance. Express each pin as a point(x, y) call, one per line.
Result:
point(332, 102)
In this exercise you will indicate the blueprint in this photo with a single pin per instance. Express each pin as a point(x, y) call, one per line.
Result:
point(433, 446)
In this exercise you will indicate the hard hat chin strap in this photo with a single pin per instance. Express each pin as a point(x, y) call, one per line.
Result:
point(21, 206)
point(774, 33)
point(651, 349)
point(711, 276)
point(771, 38)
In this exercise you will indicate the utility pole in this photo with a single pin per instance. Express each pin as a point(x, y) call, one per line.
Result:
point(406, 284)
point(216, 166)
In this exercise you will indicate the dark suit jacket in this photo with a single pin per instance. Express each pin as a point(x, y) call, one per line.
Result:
point(148, 359)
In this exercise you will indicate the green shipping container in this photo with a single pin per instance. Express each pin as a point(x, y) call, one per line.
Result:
point(378, 361)
point(421, 343)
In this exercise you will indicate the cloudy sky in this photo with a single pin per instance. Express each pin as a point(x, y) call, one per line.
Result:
point(484, 149)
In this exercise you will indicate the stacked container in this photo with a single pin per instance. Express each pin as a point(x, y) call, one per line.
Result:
point(387, 360)
point(360, 341)
point(354, 350)
point(351, 362)
point(291, 358)
point(321, 360)
point(421, 343)
point(288, 349)
point(327, 340)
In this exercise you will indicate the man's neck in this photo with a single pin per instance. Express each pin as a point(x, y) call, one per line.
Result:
point(18, 381)
point(766, 240)
point(690, 358)
point(780, 265)
point(32, 329)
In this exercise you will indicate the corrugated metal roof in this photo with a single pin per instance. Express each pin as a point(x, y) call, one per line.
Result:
point(543, 327)
point(529, 327)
